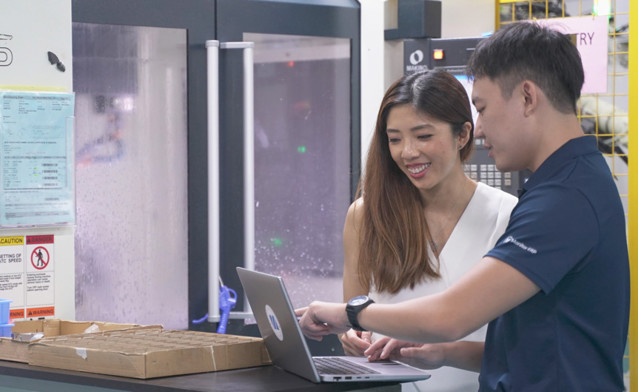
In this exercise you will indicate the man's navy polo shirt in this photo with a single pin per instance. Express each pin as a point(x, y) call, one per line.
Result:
point(567, 235)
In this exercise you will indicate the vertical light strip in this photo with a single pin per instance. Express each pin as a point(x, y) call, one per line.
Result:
point(249, 158)
point(633, 194)
point(212, 59)
point(249, 161)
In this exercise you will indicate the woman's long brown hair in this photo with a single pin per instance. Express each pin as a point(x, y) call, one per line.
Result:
point(394, 234)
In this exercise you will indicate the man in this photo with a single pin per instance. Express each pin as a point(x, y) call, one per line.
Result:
point(555, 288)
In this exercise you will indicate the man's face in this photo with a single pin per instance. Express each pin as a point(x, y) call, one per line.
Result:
point(500, 123)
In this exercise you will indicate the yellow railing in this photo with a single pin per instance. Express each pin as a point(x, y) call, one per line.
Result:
point(633, 193)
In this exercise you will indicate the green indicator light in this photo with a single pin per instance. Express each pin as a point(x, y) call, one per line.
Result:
point(301, 149)
point(276, 241)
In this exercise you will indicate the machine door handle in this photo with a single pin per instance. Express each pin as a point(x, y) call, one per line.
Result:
point(212, 48)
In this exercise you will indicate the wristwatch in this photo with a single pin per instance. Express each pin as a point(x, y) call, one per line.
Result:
point(354, 306)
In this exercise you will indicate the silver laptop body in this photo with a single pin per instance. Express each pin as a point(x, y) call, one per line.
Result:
point(287, 346)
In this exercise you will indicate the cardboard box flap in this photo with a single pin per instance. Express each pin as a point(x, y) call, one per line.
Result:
point(148, 352)
point(29, 326)
point(11, 350)
point(55, 327)
point(75, 327)
point(16, 350)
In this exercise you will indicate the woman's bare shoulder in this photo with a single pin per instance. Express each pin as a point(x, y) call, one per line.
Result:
point(355, 213)
point(356, 209)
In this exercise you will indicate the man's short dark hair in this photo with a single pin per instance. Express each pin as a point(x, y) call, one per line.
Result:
point(527, 51)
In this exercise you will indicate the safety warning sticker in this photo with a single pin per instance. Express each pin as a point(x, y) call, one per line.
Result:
point(40, 274)
point(12, 270)
point(27, 275)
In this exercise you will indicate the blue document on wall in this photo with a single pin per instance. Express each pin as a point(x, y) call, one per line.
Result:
point(37, 182)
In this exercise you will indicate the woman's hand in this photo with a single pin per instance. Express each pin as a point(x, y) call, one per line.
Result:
point(355, 343)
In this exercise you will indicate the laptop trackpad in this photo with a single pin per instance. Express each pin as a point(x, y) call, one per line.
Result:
point(383, 367)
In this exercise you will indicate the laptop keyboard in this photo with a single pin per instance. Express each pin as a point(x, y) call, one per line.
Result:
point(337, 365)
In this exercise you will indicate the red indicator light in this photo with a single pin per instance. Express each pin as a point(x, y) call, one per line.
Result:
point(437, 54)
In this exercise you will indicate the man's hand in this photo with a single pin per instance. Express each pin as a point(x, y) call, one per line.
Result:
point(323, 318)
point(465, 355)
point(423, 356)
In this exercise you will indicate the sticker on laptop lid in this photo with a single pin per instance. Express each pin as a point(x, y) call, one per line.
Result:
point(274, 323)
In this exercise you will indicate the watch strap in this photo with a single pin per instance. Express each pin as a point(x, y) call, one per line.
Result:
point(353, 312)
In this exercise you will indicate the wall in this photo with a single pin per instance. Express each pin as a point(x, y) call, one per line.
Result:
point(467, 18)
point(35, 27)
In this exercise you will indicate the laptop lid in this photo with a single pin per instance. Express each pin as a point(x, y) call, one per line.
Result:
point(285, 342)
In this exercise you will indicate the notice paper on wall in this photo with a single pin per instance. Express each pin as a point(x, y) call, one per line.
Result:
point(36, 159)
point(590, 35)
point(27, 275)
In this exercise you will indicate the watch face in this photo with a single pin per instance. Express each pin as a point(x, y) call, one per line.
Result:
point(358, 300)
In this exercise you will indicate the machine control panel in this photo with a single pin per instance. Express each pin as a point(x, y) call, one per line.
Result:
point(481, 168)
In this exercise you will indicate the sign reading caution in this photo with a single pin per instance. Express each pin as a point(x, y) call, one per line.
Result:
point(12, 270)
point(27, 275)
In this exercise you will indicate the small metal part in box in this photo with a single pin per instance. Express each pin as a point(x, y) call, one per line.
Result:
point(28, 336)
point(149, 353)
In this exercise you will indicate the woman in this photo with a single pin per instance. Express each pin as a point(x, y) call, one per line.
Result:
point(419, 223)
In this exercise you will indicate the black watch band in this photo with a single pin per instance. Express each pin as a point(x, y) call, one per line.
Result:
point(354, 306)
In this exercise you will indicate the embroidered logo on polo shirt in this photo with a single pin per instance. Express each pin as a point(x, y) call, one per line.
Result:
point(519, 244)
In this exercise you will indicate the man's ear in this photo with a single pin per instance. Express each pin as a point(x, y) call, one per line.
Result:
point(530, 93)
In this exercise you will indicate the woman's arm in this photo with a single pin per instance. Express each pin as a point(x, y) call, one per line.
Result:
point(351, 283)
point(354, 343)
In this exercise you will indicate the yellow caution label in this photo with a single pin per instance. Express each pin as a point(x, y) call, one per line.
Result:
point(5, 241)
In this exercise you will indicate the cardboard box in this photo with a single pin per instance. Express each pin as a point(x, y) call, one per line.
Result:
point(149, 353)
point(14, 350)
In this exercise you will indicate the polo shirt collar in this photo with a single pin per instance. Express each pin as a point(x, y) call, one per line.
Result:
point(572, 149)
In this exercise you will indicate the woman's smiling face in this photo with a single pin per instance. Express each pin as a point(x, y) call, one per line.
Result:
point(423, 147)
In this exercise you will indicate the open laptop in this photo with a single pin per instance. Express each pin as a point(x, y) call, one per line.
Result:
point(287, 346)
